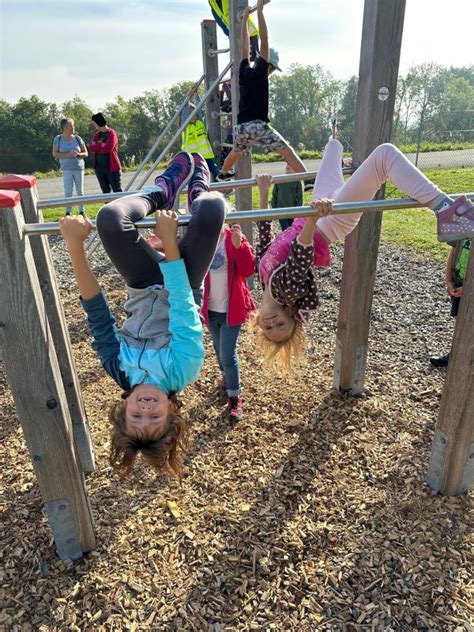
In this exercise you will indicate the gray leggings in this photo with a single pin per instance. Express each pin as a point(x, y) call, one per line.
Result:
point(136, 261)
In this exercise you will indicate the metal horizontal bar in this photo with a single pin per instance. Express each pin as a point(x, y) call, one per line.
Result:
point(215, 186)
point(252, 9)
point(216, 51)
point(371, 206)
point(216, 115)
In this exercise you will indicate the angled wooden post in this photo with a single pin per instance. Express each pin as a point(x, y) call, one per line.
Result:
point(35, 380)
point(26, 185)
point(451, 468)
point(211, 70)
point(243, 167)
point(378, 72)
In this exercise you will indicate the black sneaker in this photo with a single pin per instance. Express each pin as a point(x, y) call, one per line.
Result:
point(440, 361)
point(225, 176)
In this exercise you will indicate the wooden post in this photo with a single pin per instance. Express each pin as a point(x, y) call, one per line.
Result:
point(378, 72)
point(26, 185)
point(211, 70)
point(451, 468)
point(243, 167)
point(35, 380)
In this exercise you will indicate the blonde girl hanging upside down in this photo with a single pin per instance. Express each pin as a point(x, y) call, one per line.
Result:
point(290, 292)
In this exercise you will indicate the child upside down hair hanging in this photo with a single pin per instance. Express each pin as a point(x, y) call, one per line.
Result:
point(285, 264)
point(159, 349)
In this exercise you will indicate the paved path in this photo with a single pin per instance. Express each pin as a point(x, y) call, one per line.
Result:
point(53, 187)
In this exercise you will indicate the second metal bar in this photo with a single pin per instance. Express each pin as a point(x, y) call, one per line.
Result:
point(268, 214)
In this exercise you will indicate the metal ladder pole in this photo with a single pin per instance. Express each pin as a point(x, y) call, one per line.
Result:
point(198, 107)
point(163, 133)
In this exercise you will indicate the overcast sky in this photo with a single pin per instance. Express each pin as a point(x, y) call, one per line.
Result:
point(99, 49)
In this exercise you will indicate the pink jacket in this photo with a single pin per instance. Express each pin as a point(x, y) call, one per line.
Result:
point(110, 147)
point(241, 265)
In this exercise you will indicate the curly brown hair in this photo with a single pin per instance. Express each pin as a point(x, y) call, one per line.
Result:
point(162, 453)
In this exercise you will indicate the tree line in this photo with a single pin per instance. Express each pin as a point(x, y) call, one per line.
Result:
point(433, 102)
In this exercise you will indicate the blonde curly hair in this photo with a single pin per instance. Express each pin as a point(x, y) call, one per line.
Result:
point(283, 355)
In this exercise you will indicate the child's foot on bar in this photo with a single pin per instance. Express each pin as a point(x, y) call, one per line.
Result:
point(173, 180)
point(456, 221)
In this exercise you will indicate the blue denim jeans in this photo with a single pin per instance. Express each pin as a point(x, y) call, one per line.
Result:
point(224, 339)
point(73, 177)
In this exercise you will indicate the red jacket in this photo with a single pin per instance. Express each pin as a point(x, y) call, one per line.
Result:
point(241, 265)
point(110, 147)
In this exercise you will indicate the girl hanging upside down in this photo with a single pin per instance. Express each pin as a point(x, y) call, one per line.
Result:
point(159, 349)
point(285, 264)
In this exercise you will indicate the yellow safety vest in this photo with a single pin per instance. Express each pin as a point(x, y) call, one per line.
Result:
point(222, 10)
point(194, 139)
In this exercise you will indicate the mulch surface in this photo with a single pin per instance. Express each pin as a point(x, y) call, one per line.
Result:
point(311, 513)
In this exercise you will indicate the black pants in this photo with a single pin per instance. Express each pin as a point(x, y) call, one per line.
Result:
point(109, 180)
point(136, 261)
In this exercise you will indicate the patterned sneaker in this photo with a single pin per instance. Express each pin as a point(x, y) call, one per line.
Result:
point(234, 409)
point(457, 221)
point(173, 180)
point(200, 180)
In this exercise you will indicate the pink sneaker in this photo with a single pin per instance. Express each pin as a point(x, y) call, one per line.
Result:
point(457, 221)
point(234, 409)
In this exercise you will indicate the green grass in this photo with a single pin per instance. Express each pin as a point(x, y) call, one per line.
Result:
point(53, 214)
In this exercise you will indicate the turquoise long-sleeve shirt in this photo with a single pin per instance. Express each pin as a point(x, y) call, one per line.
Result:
point(161, 341)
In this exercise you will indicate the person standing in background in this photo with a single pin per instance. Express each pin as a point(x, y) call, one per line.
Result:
point(456, 267)
point(286, 195)
point(194, 138)
point(104, 146)
point(70, 150)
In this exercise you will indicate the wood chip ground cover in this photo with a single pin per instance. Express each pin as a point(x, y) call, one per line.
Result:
point(311, 513)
